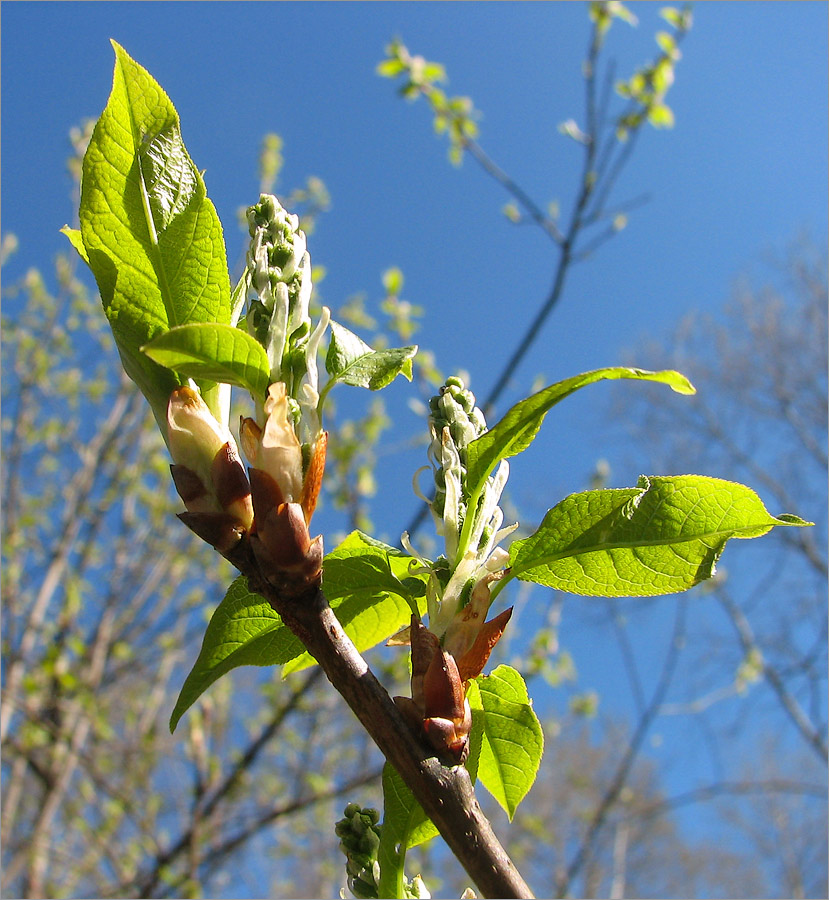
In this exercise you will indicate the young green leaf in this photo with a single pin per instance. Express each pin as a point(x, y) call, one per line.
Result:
point(217, 352)
point(351, 361)
point(244, 631)
point(76, 240)
point(149, 233)
point(663, 536)
point(512, 741)
point(661, 116)
point(368, 586)
point(519, 426)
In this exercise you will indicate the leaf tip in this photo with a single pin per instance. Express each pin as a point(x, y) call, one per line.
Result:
point(679, 383)
point(685, 388)
point(789, 519)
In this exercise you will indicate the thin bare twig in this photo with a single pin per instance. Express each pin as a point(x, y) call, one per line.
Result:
point(795, 712)
point(446, 794)
point(623, 769)
point(731, 789)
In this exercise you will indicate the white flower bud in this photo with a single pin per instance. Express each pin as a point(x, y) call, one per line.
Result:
point(275, 448)
point(195, 437)
point(207, 471)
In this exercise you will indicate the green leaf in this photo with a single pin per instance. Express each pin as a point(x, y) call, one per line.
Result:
point(518, 428)
point(399, 811)
point(620, 11)
point(76, 240)
point(433, 71)
point(351, 361)
point(667, 44)
point(217, 352)
point(244, 631)
point(393, 281)
point(661, 116)
point(512, 741)
point(151, 236)
point(390, 68)
point(368, 586)
point(663, 536)
point(370, 589)
point(671, 15)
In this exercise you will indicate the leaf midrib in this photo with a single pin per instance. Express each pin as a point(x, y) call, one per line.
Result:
point(163, 284)
point(720, 534)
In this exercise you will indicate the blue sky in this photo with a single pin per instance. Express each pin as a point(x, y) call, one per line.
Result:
point(743, 171)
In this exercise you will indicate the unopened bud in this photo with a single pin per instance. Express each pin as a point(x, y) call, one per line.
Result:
point(438, 706)
point(275, 449)
point(207, 471)
point(283, 497)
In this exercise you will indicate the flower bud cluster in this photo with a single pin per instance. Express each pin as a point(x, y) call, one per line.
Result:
point(280, 267)
point(279, 318)
point(454, 422)
point(278, 251)
point(455, 647)
point(359, 835)
point(470, 525)
point(267, 512)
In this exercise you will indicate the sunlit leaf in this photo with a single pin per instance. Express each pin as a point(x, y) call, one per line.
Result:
point(519, 426)
point(368, 585)
point(512, 741)
point(351, 361)
point(243, 631)
point(664, 535)
point(150, 235)
point(215, 352)
point(371, 590)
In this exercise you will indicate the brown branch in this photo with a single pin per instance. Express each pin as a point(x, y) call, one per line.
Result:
point(446, 794)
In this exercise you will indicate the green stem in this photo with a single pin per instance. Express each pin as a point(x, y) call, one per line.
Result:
point(472, 511)
point(499, 585)
point(392, 862)
point(237, 298)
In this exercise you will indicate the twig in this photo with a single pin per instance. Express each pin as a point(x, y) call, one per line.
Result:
point(732, 789)
point(446, 794)
point(625, 764)
point(801, 721)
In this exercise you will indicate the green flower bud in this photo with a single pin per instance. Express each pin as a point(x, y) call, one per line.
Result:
point(359, 836)
point(471, 534)
point(280, 268)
